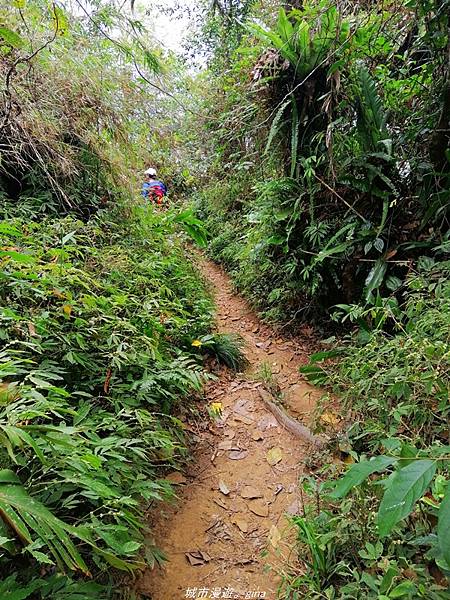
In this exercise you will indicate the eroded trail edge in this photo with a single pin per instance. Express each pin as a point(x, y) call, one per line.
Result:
point(228, 536)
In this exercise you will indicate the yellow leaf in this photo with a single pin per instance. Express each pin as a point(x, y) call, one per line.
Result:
point(197, 343)
point(274, 456)
point(216, 408)
point(60, 22)
point(274, 536)
point(329, 419)
point(349, 460)
point(67, 309)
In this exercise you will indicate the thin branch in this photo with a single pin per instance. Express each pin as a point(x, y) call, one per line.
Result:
point(324, 183)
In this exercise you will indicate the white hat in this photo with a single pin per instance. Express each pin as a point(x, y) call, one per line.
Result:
point(150, 171)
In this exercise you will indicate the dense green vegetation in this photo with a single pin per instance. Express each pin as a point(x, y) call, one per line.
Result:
point(97, 321)
point(382, 529)
point(328, 165)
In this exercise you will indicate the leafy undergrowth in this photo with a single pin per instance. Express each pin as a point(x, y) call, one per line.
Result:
point(382, 529)
point(97, 322)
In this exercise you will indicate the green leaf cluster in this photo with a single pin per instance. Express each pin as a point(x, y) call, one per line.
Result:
point(95, 363)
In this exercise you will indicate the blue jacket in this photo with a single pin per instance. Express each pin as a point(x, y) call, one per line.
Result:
point(148, 185)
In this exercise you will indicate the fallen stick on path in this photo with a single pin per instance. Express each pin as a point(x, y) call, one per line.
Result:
point(292, 425)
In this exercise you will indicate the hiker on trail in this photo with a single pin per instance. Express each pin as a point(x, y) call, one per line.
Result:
point(153, 189)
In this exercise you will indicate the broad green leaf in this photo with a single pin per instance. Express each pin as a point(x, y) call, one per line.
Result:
point(330, 251)
point(443, 528)
point(11, 37)
point(314, 373)
point(18, 256)
point(387, 580)
point(359, 473)
point(7, 476)
point(17, 437)
point(324, 355)
point(27, 516)
point(375, 277)
point(69, 236)
point(284, 27)
point(152, 62)
point(405, 588)
point(197, 234)
point(403, 490)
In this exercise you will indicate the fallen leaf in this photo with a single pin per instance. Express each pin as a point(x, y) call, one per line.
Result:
point(349, 460)
point(244, 561)
point(226, 445)
point(267, 422)
point(294, 508)
point(220, 503)
point(243, 419)
point(176, 477)
point(197, 558)
point(274, 536)
point(237, 454)
point(217, 531)
point(241, 406)
point(259, 508)
point(274, 456)
point(329, 419)
point(250, 492)
point(67, 309)
point(240, 522)
point(31, 329)
point(257, 436)
point(223, 488)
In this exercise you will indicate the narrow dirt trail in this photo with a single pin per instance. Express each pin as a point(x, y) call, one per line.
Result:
point(228, 535)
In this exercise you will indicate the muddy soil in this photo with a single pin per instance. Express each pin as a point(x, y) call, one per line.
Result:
point(228, 535)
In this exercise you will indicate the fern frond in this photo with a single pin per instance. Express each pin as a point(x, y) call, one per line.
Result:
point(294, 137)
point(276, 125)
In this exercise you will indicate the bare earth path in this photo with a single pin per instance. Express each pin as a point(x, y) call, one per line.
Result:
point(228, 536)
